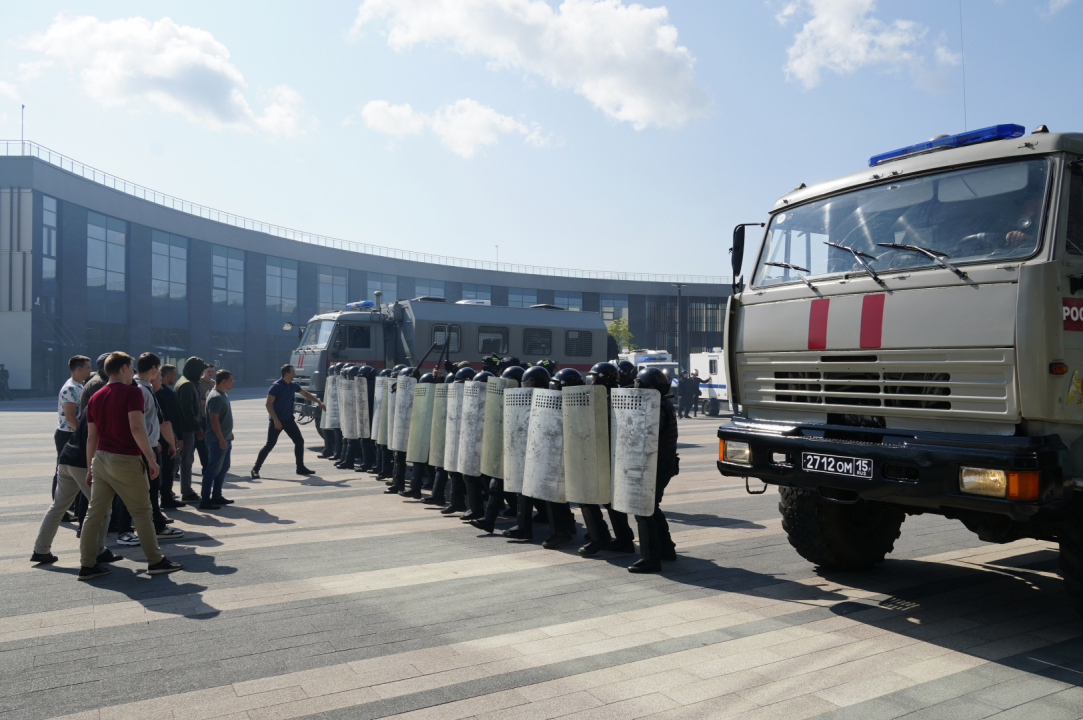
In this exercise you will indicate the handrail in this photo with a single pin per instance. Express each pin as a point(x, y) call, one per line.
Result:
point(32, 149)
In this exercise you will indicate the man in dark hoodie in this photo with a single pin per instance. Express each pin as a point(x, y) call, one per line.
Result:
point(188, 397)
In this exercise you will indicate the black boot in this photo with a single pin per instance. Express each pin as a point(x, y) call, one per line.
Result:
point(524, 529)
point(439, 484)
point(473, 498)
point(599, 532)
point(561, 525)
point(414, 491)
point(484, 524)
point(398, 474)
point(648, 547)
point(623, 537)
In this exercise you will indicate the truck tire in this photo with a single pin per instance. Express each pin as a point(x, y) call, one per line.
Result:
point(837, 536)
point(1071, 563)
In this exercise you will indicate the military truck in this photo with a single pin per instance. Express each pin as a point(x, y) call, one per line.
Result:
point(910, 340)
point(407, 330)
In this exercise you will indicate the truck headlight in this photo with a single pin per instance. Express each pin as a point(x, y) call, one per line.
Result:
point(983, 481)
point(739, 453)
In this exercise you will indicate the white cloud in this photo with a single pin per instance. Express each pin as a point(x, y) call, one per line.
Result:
point(624, 59)
point(463, 127)
point(1055, 6)
point(9, 91)
point(841, 36)
point(177, 68)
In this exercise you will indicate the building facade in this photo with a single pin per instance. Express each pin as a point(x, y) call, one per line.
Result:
point(90, 264)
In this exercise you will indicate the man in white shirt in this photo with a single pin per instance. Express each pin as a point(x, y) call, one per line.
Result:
point(67, 406)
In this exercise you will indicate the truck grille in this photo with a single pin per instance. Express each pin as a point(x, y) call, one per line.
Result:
point(955, 383)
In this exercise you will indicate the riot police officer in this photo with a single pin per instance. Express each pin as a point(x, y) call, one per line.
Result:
point(421, 471)
point(561, 520)
point(383, 454)
point(626, 374)
point(533, 377)
point(352, 446)
point(458, 486)
point(398, 467)
point(655, 542)
point(497, 497)
point(367, 374)
point(440, 481)
point(476, 485)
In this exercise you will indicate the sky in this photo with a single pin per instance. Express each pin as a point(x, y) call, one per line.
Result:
point(589, 134)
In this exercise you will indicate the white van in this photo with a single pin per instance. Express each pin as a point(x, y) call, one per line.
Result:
point(711, 365)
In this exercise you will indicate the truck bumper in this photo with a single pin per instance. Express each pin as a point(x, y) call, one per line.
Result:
point(306, 408)
point(914, 470)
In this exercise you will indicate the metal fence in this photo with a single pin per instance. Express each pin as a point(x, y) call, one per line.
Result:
point(33, 149)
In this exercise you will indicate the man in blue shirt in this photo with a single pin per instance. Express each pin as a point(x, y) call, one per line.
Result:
point(280, 408)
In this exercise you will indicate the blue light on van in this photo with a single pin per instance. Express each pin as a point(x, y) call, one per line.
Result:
point(360, 305)
point(996, 132)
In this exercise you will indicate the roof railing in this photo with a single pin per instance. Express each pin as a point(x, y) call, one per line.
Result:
point(29, 148)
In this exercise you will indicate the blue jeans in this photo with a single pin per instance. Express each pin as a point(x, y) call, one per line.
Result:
point(214, 472)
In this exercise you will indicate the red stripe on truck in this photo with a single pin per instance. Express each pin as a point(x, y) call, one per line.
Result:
point(872, 320)
point(817, 324)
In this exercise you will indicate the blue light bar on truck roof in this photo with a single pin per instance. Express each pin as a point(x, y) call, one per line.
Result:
point(360, 305)
point(996, 132)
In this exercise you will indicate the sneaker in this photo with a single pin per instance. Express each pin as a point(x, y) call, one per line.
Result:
point(172, 505)
point(254, 473)
point(190, 497)
point(43, 558)
point(164, 566)
point(221, 501)
point(89, 573)
point(127, 538)
point(108, 556)
point(169, 533)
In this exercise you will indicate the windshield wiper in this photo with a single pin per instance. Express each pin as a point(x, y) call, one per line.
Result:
point(857, 256)
point(795, 268)
point(936, 255)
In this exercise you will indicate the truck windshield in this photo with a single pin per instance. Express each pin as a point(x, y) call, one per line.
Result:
point(317, 333)
point(989, 213)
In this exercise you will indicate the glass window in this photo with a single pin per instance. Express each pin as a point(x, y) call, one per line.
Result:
point(578, 343)
point(712, 366)
point(227, 292)
point(568, 300)
point(106, 254)
point(614, 307)
point(440, 333)
point(521, 297)
point(477, 292)
point(48, 216)
point(430, 288)
point(537, 341)
point(981, 214)
point(387, 284)
point(359, 337)
point(492, 340)
point(332, 287)
point(1075, 213)
point(169, 265)
point(318, 333)
point(48, 238)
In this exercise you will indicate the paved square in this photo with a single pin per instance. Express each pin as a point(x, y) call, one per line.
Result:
point(324, 597)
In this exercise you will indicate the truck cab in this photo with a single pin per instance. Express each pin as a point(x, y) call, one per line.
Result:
point(910, 340)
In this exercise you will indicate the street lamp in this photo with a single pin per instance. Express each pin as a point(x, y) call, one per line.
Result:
point(680, 345)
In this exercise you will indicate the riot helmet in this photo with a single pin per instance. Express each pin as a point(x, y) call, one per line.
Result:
point(549, 365)
point(627, 372)
point(351, 371)
point(536, 377)
point(366, 371)
point(568, 377)
point(395, 370)
point(483, 376)
point(653, 378)
point(604, 373)
point(405, 371)
point(428, 379)
point(514, 373)
point(384, 373)
point(449, 378)
point(464, 374)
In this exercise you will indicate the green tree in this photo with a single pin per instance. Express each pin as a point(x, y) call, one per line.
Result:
point(620, 332)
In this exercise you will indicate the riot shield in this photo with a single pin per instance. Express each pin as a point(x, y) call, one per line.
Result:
point(516, 424)
point(586, 444)
point(439, 426)
point(472, 428)
point(635, 413)
point(404, 410)
point(417, 448)
point(347, 408)
point(492, 441)
point(330, 395)
point(454, 420)
point(362, 408)
point(383, 405)
point(543, 472)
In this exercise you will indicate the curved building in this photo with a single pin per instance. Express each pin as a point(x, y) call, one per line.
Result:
point(91, 263)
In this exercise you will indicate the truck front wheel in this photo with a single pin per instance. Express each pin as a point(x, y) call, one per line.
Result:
point(1071, 562)
point(838, 536)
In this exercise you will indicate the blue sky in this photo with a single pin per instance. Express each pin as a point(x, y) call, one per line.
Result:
point(585, 134)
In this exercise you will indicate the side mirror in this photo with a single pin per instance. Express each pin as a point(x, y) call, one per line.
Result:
point(737, 255)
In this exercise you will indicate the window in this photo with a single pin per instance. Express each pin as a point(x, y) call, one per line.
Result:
point(1075, 214)
point(359, 337)
point(492, 340)
point(614, 307)
point(537, 341)
point(227, 291)
point(332, 288)
point(578, 343)
point(281, 294)
point(387, 284)
point(477, 292)
point(430, 288)
point(521, 297)
point(440, 332)
point(317, 334)
point(712, 367)
point(170, 344)
point(568, 300)
point(105, 264)
point(169, 266)
point(48, 238)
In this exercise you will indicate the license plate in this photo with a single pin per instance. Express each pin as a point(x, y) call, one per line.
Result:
point(837, 465)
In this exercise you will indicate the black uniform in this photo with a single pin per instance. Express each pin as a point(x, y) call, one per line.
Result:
point(655, 542)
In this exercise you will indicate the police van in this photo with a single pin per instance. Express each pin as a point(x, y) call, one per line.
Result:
point(661, 359)
point(908, 340)
point(428, 330)
point(710, 364)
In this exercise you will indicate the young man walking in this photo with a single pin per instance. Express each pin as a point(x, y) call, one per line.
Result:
point(67, 409)
point(191, 427)
point(167, 401)
point(280, 408)
point(219, 442)
point(121, 459)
